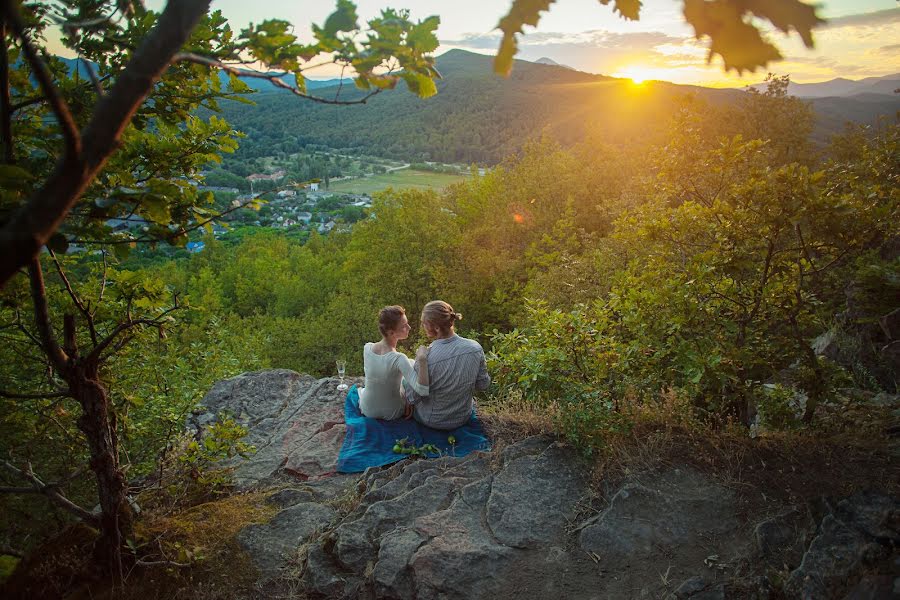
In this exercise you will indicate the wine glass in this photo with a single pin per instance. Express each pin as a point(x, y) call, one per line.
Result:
point(341, 369)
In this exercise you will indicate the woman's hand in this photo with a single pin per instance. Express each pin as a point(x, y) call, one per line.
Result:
point(422, 353)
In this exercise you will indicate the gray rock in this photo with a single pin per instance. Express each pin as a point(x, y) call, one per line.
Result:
point(874, 515)
point(290, 497)
point(452, 527)
point(270, 545)
point(886, 400)
point(717, 592)
point(667, 510)
point(833, 556)
point(358, 540)
point(690, 586)
point(782, 538)
point(320, 573)
point(522, 492)
point(294, 421)
point(858, 533)
point(875, 587)
point(392, 574)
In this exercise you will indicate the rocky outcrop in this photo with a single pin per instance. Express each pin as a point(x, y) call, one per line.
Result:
point(525, 521)
point(862, 531)
point(455, 527)
point(294, 421)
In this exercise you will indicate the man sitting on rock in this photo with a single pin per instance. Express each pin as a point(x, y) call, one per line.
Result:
point(456, 369)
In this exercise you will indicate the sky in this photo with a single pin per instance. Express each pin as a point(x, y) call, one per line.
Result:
point(861, 38)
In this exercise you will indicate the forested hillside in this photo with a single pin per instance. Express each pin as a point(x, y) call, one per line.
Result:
point(477, 117)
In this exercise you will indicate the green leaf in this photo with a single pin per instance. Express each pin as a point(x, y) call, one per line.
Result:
point(521, 13)
point(237, 85)
point(300, 81)
point(628, 9)
point(13, 177)
point(421, 37)
point(384, 82)
point(787, 15)
point(739, 43)
point(121, 251)
point(156, 208)
point(419, 84)
point(342, 19)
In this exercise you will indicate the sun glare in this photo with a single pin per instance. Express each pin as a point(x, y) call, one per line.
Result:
point(639, 74)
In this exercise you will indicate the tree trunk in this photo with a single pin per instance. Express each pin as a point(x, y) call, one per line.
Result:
point(98, 423)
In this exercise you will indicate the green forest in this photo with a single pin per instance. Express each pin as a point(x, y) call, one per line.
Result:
point(725, 271)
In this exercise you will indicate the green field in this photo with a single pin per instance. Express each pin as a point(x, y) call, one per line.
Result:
point(403, 178)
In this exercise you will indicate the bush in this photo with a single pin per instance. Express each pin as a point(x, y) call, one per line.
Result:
point(221, 440)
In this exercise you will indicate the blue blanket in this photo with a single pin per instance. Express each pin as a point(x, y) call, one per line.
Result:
point(370, 442)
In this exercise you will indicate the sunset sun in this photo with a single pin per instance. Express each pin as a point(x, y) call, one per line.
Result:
point(640, 74)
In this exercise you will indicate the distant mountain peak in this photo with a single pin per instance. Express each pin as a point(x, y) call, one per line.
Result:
point(544, 60)
point(841, 86)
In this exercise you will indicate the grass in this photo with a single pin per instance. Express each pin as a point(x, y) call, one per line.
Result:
point(400, 179)
point(783, 467)
point(191, 554)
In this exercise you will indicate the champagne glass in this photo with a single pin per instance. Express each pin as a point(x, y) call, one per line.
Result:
point(341, 369)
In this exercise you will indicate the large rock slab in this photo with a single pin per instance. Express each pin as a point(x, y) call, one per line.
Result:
point(862, 531)
point(665, 510)
point(295, 421)
point(673, 523)
point(272, 544)
point(454, 527)
point(520, 495)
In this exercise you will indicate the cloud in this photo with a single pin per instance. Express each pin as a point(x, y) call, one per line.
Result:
point(598, 38)
point(869, 19)
point(892, 49)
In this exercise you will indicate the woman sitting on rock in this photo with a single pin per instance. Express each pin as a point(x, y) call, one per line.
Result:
point(388, 370)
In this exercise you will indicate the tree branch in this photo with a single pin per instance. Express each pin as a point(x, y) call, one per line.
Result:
point(34, 222)
point(10, 551)
point(180, 232)
point(44, 79)
point(42, 316)
point(6, 109)
point(53, 495)
point(125, 326)
point(87, 314)
point(273, 78)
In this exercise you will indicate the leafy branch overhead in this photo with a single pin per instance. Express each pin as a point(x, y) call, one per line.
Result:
point(131, 146)
point(392, 48)
point(729, 25)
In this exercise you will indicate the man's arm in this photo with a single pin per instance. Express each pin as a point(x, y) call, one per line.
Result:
point(483, 380)
point(412, 397)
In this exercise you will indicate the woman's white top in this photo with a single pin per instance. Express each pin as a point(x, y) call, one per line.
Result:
point(383, 398)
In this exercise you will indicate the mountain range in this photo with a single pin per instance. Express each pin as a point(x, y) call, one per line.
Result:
point(888, 84)
point(479, 117)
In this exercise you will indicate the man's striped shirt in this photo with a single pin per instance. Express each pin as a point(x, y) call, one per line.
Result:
point(456, 368)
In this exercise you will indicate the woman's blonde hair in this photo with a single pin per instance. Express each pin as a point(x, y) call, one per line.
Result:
point(440, 314)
